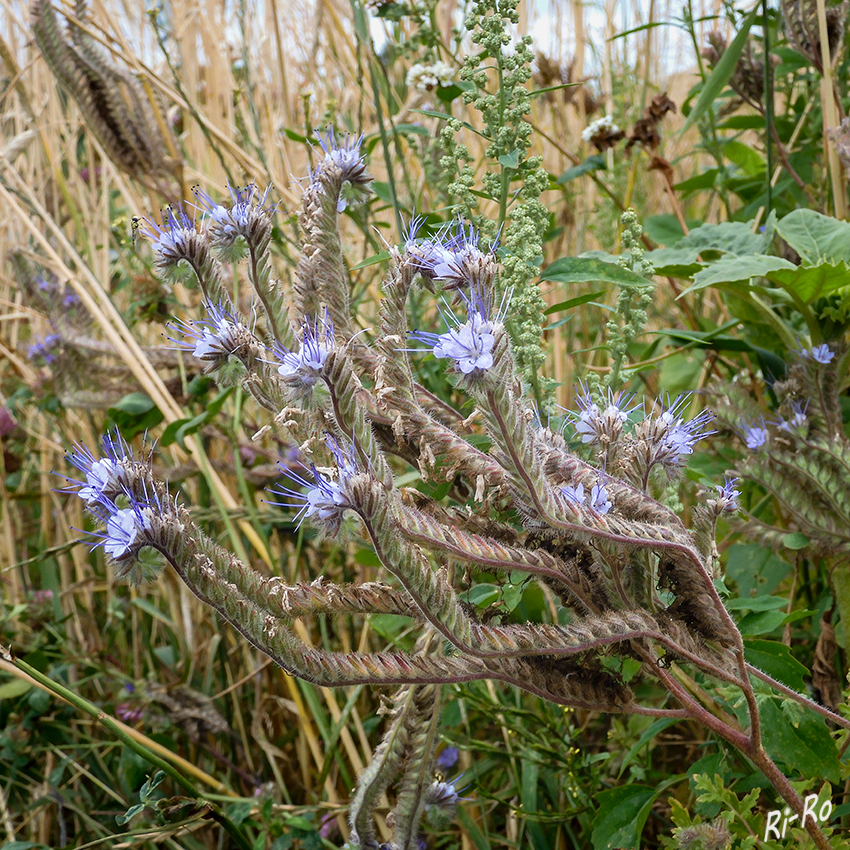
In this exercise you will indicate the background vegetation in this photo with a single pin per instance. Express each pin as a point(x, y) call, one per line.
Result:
point(235, 93)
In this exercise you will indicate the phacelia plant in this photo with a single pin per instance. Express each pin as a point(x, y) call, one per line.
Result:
point(629, 579)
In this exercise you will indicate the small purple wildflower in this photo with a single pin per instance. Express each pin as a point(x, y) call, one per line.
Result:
point(123, 525)
point(575, 494)
point(599, 500)
point(680, 436)
point(728, 495)
point(171, 237)
point(102, 474)
point(239, 217)
point(46, 349)
point(755, 436)
point(822, 354)
point(798, 421)
point(447, 758)
point(452, 255)
point(129, 714)
point(591, 424)
point(212, 338)
point(345, 154)
point(303, 368)
point(470, 344)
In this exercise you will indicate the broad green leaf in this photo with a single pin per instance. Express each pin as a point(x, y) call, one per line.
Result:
point(775, 659)
point(665, 229)
point(815, 237)
point(765, 622)
point(795, 540)
point(621, 814)
point(756, 570)
point(738, 270)
point(811, 282)
point(586, 269)
point(596, 162)
point(806, 747)
point(742, 122)
point(482, 595)
point(705, 243)
point(573, 302)
point(706, 180)
point(747, 158)
point(757, 603)
point(13, 689)
point(722, 72)
point(134, 404)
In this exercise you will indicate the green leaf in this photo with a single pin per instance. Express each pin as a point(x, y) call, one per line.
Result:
point(758, 603)
point(665, 229)
point(706, 180)
point(586, 269)
point(510, 160)
point(573, 302)
point(412, 129)
point(621, 814)
point(765, 622)
point(372, 261)
point(742, 122)
point(135, 413)
point(595, 162)
point(182, 428)
point(432, 113)
point(755, 570)
point(721, 73)
point(811, 282)
point(704, 243)
point(737, 269)
point(749, 160)
point(14, 689)
point(805, 746)
point(648, 735)
point(795, 540)
point(815, 237)
point(296, 137)
point(472, 830)
point(134, 404)
point(482, 595)
point(775, 659)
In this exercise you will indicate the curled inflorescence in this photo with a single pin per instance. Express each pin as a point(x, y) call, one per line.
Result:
point(631, 579)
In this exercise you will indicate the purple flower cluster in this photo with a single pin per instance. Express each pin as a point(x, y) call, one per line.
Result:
point(678, 435)
point(169, 239)
point(325, 500)
point(45, 350)
point(728, 495)
point(469, 344)
point(452, 255)
point(213, 338)
point(239, 217)
point(597, 500)
point(344, 154)
point(105, 482)
point(303, 368)
point(592, 424)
